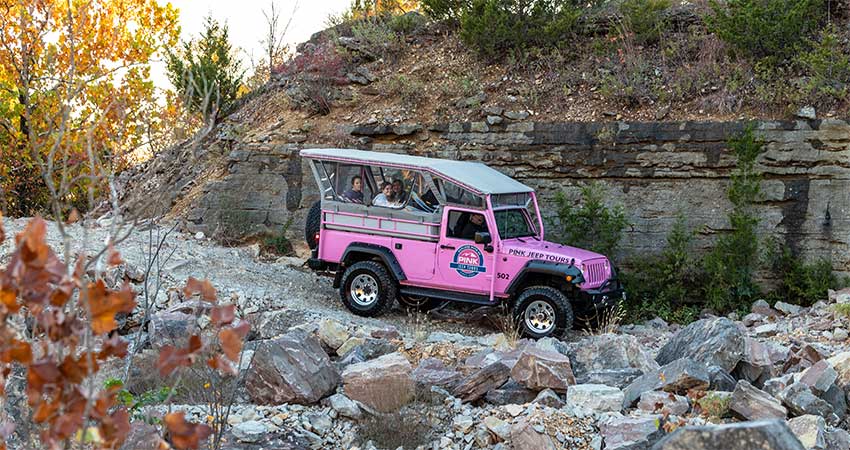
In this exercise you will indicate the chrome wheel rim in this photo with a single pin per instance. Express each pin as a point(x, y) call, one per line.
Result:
point(364, 290)
point(540, 317)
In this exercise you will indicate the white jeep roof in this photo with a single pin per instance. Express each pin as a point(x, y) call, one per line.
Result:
point(475, 176)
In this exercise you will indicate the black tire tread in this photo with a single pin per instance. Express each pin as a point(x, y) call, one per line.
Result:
point(387, 285)
point(314, 222)
point(557, 297)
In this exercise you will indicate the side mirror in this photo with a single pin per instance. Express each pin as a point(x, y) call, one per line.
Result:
point(483, 237)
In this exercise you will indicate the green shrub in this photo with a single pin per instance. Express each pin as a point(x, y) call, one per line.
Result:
point(445, 9)
point(278, 243)
point(376, 38)
point(801, 283)
point(645, 18)
point(591, 225)
point(406, 23)
point(730, 265)
point(665, 285)
point(411, 92)
point(842, 309)
point(136, 403)
point(827, 67)
point(765, 28)
point(496, 28)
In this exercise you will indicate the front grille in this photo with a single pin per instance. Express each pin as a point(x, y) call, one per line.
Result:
point(595, 273)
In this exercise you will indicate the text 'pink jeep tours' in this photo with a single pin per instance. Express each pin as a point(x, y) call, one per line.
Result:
point(425, 230)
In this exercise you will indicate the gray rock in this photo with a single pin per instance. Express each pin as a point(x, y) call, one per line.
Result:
point(787, 308)
point(404, 129)
point(664, 402)
point(762, 434)
point(800, 401)
point(432, 372)
point(290, 369)
point(478, 383)
point(609, 352)
point(250, 431)
point(275, 323)
point(539, 369)
point(807, 112)
point(716, 341)
point(679, 376)
point(550, 398)
point(630, 432)
point(775, 386)
point(837, 439)
point(524, 436)
point(720, 380)
point(819, 377)
point(762, 307)
point(320, 423)
point(619, 378)
point(499, 428)
point(755, 363)
point(837, 399)
point(474, 100)
point(517, 115)
point(171, 328)
point(752, 403)
point(493, 111)
point(333, 334)
point(810, 430)
point(494, 120)
point(344, 406)
point(595, 397)
point(383, 384)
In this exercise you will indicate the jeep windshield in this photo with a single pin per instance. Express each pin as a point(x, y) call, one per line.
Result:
point(514, 223)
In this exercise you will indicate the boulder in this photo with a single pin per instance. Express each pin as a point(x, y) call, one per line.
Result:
point(333, 334)
point(800, 400)
point(664, 402)
point(524, 436)
point(432, 372)
point(500, 429)
point(837, 399)
point(250, 431)
point(837, 439)
point(171, 328)
point(344, 406)
point(479, 382)
point(538, 369)
point(349, 345)
point(679, 376)
point(787, 308)
point(762, 307)
point(275, 323)
point(383, 384)
point(550, 398)
point(841, 364)
point(620, 432)
point(609, 352)
point(755, 364)
point(761, 434)
point(716, 341)
point(290, 369)
point(595, 397)
point(720, 380)
point(819, 377)
point(510, 393)
point(810, 430)
point(751, 403)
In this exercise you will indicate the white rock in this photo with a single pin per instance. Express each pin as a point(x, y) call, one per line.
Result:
point(250, 431)
point(596, 397)
point(839, 334)
point(199, 235)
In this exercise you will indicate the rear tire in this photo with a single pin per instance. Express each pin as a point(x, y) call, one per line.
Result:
point(418, 303)
point(313, 225)
point(542, 311)
point(367, 289)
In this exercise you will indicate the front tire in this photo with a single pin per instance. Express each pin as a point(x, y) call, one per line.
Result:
point(367, 289)
point(542, 311)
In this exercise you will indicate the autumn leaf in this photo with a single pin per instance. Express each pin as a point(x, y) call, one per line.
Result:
point(231, 343)
point(114, 346)
point(204, 288)
point(185, 435)
point(105, 305)
point(73, 217)
point(223, 315)
point(170, 357)
point(114, 256)
point(222, 365)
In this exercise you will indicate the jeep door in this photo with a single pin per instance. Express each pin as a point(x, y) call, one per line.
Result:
point(462, 264)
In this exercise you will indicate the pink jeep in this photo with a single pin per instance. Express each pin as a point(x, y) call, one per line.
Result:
point(424, 230)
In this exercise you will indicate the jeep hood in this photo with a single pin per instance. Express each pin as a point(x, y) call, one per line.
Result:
point(547, 251)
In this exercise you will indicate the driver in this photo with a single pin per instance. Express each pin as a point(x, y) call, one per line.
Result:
point(474, 225)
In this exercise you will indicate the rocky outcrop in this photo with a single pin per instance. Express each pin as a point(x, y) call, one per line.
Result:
point(772, 434)
point(709, 341)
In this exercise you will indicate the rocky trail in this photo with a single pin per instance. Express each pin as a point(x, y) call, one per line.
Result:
point(315, 376)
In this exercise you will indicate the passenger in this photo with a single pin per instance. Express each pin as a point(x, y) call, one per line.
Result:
point(385, 198)
point(398, 191)
point(355, 194)
point(476, 224)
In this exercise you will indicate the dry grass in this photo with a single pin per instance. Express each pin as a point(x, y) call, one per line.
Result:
point(604, 321)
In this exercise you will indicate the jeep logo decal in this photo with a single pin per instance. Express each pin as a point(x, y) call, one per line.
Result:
point(468, 261)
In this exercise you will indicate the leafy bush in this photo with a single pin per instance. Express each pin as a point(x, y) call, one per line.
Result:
point(730, 265)
point(496, 27)
point(801, 283)
point(445, 9)
point(136, 403)
point(278, 243)
point(827, 66)
point(592, 225)
point(645, 18)
point(411, 92)
point(406, 23)
point(375, 38)
point(765, 28)
point(665, 285)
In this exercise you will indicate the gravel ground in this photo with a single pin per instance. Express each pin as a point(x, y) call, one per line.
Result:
point(258, 283)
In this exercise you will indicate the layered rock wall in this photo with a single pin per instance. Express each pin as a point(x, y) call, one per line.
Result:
point(655, 170)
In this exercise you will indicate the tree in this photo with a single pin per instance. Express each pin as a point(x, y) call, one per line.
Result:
point(205, 72)
point(81, 63)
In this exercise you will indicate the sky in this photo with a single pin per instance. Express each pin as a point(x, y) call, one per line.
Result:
point(247, 24)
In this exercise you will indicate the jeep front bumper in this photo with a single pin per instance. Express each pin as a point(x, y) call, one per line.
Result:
point(606, 296)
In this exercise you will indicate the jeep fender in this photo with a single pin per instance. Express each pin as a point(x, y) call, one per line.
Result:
point(356, 250)
point(557, 271)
